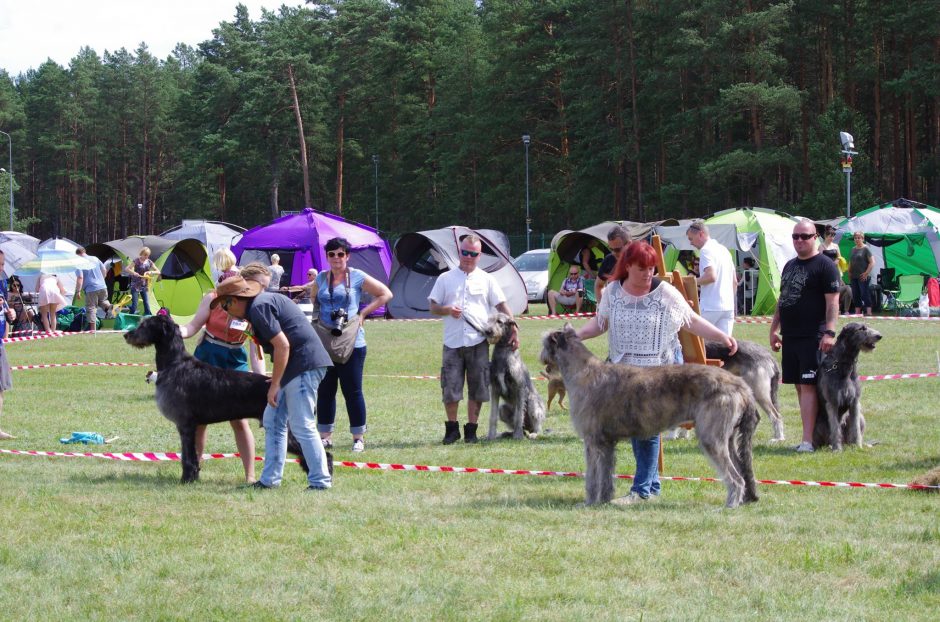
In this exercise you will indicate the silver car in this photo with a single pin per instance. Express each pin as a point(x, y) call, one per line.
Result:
point(533, 267)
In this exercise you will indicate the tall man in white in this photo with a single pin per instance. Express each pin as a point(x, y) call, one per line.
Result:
point(468, 292)
point(718, 281)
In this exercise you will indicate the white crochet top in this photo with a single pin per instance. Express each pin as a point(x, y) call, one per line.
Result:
point(643, 330)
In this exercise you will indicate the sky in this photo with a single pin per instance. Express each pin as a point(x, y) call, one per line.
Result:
point(33, 30)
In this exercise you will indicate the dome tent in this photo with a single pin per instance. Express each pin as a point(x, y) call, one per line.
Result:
point(299, 239)
point(423, 256)
point(213, 235)
point(903, 235)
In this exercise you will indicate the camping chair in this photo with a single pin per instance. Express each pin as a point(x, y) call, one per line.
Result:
point(910, 288)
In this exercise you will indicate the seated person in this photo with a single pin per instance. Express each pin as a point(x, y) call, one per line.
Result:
point(301, 293)
point(24, 312)
point(572, 291)
point(588, 260)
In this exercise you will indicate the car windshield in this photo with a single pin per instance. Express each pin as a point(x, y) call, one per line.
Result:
point(531, 262)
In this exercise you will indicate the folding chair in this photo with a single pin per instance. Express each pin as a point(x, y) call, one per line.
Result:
point(910, 288)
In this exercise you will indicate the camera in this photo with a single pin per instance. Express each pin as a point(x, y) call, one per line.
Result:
point(339, 317)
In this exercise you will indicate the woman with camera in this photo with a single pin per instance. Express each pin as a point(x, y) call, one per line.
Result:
point(338, 292)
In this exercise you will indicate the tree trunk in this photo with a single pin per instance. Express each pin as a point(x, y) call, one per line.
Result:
point(631, 40)
point(340, 146)
point(303, 142)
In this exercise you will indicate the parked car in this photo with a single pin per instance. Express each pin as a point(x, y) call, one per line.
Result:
point(533, 266)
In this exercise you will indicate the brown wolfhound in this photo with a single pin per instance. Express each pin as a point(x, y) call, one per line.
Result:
point(610, 402)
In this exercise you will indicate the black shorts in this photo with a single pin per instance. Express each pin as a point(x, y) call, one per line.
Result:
point(801, 356)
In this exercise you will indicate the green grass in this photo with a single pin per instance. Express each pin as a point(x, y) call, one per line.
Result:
point(96, 539)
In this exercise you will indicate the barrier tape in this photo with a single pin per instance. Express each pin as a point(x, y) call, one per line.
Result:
point(387, 466)
point(862, 378)
point(50, 365)
point(744, 319)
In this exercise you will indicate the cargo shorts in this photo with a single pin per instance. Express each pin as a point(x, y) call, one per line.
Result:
point(472, 362)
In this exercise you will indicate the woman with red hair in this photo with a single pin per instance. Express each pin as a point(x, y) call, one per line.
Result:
point(642, 316)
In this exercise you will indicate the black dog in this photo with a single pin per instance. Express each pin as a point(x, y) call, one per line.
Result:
point(191, 393)
point(838, 390)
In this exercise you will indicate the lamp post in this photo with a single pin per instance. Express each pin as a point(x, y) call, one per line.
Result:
point(848, 144)
point(525, 141)
point(10, 140)
point(375, 163)
point(140, 209)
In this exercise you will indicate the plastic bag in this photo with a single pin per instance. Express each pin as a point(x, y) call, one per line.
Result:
point(923, 305)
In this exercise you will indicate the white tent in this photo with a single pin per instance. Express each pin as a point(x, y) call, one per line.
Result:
point(213, 235)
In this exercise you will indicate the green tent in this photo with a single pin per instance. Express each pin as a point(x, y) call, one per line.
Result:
point(902, 235)
point(185, 277)
point(772, 248)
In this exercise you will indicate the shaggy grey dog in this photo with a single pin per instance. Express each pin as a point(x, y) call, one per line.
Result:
point(838, 390)
point(610, 402)
point(758, 367)
point(524, 410)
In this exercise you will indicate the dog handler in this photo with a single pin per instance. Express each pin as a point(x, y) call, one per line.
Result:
point(473, 293)
point(642, 317)
point(300, 363)
point(806, 320)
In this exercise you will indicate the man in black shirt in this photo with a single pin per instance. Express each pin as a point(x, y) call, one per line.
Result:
point(806, 320)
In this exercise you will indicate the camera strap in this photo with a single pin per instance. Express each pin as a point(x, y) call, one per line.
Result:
point(347, 284)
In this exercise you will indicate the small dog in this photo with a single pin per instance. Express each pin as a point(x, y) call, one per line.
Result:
point(838, 390)
point(523, 411)
point(611, 402)
point(556, 387)
point(191, 393)
point(758, 367)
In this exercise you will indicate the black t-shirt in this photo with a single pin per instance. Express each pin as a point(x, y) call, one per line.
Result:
point(803, 289)
point(271, 314)
point(607, 267)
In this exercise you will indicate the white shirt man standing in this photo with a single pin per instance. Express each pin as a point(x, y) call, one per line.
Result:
point(466, 292)
point(717, 281)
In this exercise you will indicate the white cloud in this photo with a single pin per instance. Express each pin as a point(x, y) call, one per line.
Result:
point(33, 30)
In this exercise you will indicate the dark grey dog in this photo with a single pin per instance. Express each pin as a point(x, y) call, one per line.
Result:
point(524, 410)
point(758, 367)
point(191, 393)
point(610, 402)
point(839, 391)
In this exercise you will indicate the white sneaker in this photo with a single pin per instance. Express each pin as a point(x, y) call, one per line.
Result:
point(359, 446)
point(804, 448)
point(630, 499)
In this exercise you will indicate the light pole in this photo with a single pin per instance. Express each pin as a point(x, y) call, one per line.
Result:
point(10, 140)
point(140, 208)
point(525, 141)
point(375, 163)
point(848, 144)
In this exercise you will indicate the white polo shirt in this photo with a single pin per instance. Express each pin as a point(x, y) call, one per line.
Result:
point(719, 295)
point(476, 293)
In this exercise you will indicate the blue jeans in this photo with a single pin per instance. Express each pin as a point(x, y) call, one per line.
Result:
point(143, 294)
point(297, 404)
point(349, 377)
point(861, 294)
point(646, 454)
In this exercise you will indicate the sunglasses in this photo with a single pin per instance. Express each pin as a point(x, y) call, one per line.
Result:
point(804, 236)
point(226, 304)
point(469, 253)
point(339, 254)
point(572, 274)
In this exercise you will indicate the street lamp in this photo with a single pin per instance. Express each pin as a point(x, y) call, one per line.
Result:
point(140, 208)
point(528, 230)
point(10, 140)
point(848, 146)
point(375, 162)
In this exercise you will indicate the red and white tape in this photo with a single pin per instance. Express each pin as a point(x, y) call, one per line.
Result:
point(52, 365)
point(389, 466)
point(862, 378)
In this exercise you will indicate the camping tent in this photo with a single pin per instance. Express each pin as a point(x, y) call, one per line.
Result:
point(902, 235)
point(184, 269)
point(299, 239)
point(213, 235)
point(566, 245)
point(423, 256)
point(773, 248)
point(68, 279)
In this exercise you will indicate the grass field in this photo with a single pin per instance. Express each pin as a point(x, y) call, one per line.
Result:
point(87, 538)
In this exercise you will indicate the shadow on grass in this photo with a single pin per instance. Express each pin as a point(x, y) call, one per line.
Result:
point(134, 478)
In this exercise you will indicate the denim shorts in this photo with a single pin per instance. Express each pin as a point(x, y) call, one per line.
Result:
point(472, 362)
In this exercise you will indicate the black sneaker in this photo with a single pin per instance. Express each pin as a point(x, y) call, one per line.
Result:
point(259, 486)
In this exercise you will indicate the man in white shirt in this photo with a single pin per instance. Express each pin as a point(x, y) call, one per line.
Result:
point(717, 278)
point(457, 294)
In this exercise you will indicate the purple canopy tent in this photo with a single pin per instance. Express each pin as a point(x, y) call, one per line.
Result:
point(299, 240)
